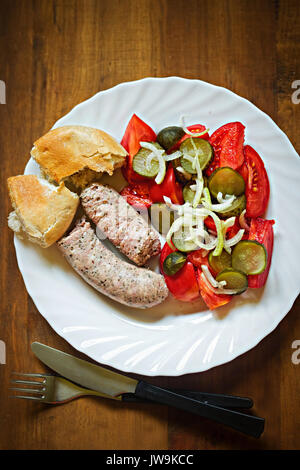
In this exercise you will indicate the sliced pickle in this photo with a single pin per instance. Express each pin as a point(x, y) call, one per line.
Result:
point(236, 208)
point(249, 256)
point(180, 241)
point(188, 193)
point(204, 150)
point(221, 262)
point(139, 162)
point(226, 181)
point(235, 279)
point(169, 136)
point(161, 217)
point(181, 177)
point(173, 263)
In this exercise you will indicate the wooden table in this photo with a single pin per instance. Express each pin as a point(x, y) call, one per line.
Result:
point(55, 54)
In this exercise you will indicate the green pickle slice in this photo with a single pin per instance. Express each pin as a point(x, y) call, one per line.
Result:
point(205, 153)
point(169, 136)
point(249, 257)
point(139, 163)
point(188, 193)
point(173, 263)
point(181, 177)
point(161, 217)
point(225, 180)
point(235, 279)
point(180, 241)
point(236, 208)
point(221, 262)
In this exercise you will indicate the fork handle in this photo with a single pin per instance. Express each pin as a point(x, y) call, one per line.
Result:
point(247, 424)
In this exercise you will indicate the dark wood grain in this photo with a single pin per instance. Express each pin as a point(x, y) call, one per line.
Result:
point(55, 54)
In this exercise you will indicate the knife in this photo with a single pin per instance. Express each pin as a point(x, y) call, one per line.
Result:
point(114, 385)
point(226, 401)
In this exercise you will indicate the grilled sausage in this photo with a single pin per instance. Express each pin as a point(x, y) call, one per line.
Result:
point(119, 280)
point(120, 223)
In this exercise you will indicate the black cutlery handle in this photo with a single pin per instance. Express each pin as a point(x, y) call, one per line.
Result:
point(218, 399)
point(247, 424)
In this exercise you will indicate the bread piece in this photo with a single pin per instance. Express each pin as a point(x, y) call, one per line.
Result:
point(42, 212)
point(77, 155)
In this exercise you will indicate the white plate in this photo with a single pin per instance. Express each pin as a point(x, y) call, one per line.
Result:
point(174, 338)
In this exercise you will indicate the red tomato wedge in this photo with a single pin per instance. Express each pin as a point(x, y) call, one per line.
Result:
point(257, 184)
point(232, 231)
point(197, 259)
point(137, 195)
point(169, 187)
point(211, 299)
point(244, 171)
point(195, 128)
point(183, 285)
point(210, 224)
point(136, 131)
point(261, 230)
point(227, 142)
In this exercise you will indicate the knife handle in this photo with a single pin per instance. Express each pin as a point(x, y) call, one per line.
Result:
point(247, 424)
point(218, 399)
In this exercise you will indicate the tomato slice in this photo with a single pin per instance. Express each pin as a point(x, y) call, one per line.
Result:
point(136, 131)
point(169, 187)
point(183, 285)
point(211, 299)
point(261, 230)
point(197, 259)
point(210, 224)
point(227, 142)
point(232, 231)
point(258, 186)
point(137, 195)
point(194, 128)
point(244, 171)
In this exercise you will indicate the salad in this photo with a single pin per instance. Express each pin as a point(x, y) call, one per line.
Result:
point(207, 195)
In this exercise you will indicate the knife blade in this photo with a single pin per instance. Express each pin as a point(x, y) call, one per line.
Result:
point(114, 385)
point(84, 373)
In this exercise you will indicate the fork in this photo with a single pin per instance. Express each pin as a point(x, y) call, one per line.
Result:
point(54, 389)
point(51, 389)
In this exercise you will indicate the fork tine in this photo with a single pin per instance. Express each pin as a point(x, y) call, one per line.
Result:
point(27, 382)
point(26, 397)
point(30, 390)
point(44, 376)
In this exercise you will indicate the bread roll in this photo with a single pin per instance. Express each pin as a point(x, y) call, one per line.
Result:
point(77, 155)
point(42, 212)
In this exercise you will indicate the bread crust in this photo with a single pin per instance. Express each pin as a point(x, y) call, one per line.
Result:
point(68, 150)
point(45, 211)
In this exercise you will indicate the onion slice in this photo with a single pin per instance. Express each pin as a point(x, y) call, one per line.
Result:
point(158, 154)
point(218, 290)
point(210, 277)
point(172, 156)
point(193, 134)
point(243, 222)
